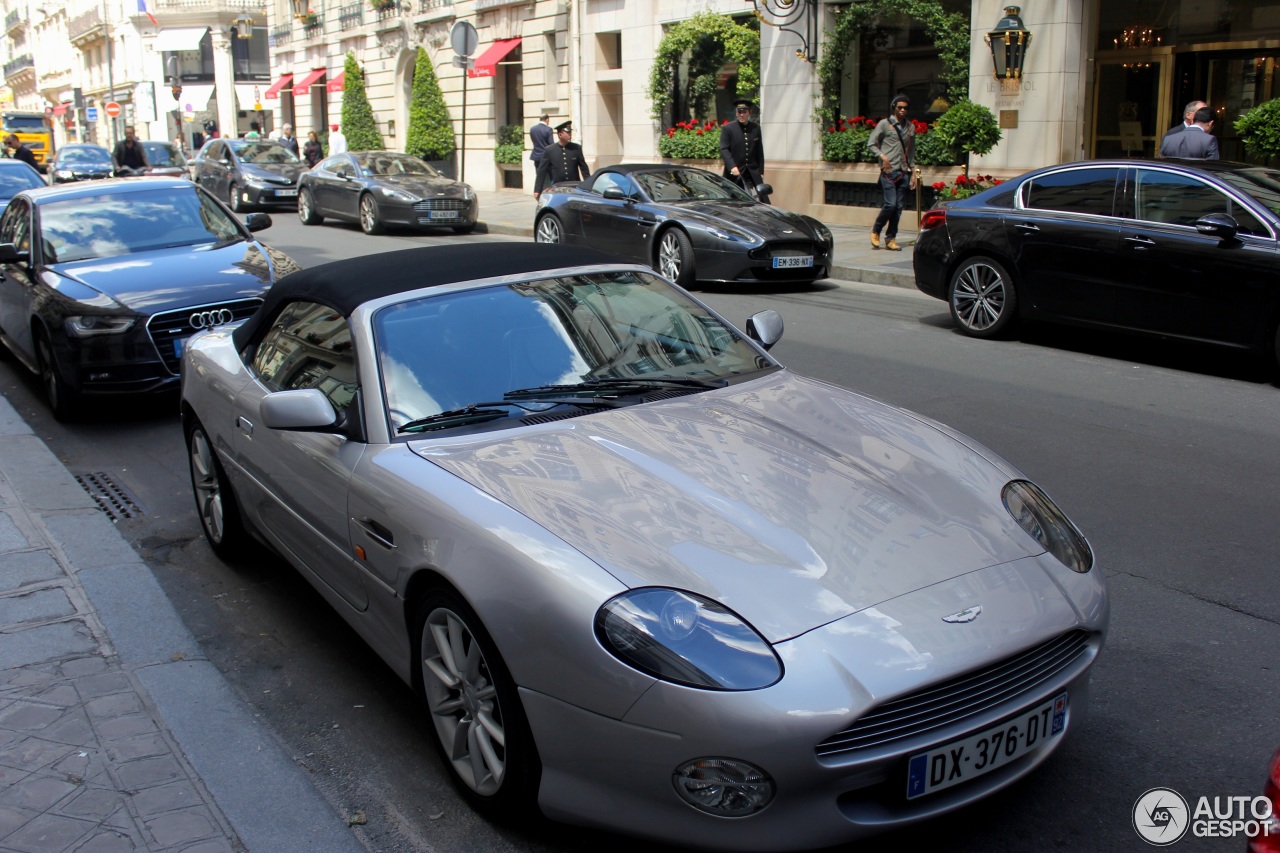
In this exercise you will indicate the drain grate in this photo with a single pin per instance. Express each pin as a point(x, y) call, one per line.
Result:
point(110, 496)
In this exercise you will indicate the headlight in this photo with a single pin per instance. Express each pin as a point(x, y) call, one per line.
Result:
point(467, 192)
point(686, 639)
point(257, 183)
point(398, 195)
point(89, 325)
point(63, 173)
point(731, 234)
point(1047, 524)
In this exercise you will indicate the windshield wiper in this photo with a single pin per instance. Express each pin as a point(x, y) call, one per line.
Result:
point(614, 386)
point(478, 413)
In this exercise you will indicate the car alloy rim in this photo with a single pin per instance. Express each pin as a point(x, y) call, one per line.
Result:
point(669, 256)
point(304, 206)
point(463, 701)
point(367, 217)
point(204, 478)
point(979, 296)
point(548, 231)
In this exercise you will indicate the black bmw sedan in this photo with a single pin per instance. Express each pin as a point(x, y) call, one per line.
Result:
point(80, 162)
point(688, 224)
point(1175, 248)
point(381, 189)
point(101, 283)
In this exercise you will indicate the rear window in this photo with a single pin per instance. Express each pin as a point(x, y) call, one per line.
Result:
point(1089, 191)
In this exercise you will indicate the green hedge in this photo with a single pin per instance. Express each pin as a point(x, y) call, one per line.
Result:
point(693, 139)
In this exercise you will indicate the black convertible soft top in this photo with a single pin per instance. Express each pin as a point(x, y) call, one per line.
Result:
point(343, 285)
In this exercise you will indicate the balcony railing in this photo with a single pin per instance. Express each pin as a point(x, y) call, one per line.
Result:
point(15, 20)
point(387, 12)
point(350, 17)
point(83, 26)
point(188, 5)
point(281, 36)
point(312, 27)
point(426, 6)
point(17, 66)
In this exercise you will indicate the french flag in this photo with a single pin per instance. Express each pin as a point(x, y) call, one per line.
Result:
point(142, 7)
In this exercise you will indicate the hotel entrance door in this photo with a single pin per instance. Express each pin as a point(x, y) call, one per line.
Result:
point(1131, 102)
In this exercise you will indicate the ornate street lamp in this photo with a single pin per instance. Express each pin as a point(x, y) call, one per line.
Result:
point(243, 26)
point(1008, 43)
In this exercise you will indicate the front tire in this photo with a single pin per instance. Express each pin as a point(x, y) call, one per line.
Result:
point(233, 198)
point(479, 723)
point(215, 502)
point(369, 221)
point(307, 209)
point(983, 300)
point(548, 230)
point(675, 257)
point(63, 400)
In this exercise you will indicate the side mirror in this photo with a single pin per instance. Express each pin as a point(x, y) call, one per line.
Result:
point(615, 193)
point(257, 221)
point(1218, 225)
point(765, 328)
point(304, 410)
point(9, 254)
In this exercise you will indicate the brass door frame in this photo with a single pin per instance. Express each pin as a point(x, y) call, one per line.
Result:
point(1164, 110)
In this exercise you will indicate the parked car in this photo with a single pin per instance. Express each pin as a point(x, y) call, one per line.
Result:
point(381, 189)
point(643, 575)
point(16, 176)
point(166, 159)
point(688, 224)
point(102, 283)
point(80, 162)
point(1267, 839)
point(248, 173)
point(1181, 249)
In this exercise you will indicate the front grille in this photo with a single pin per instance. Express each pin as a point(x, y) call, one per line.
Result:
point(961, 697)
point(792, 249)
point(440, 204)
point(173, 326)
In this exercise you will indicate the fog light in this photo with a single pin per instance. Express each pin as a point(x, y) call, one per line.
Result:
point(724, 787)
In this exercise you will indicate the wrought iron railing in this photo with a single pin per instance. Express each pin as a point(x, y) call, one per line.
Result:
point(350, 17)
point(17, 66)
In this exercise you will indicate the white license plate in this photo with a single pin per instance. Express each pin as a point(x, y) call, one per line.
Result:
point(792, 263)
point(286, 193)
point(442, 214)
point(967, 759)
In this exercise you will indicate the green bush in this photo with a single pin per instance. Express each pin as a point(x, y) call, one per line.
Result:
point(846, 141)
point(932, 151)
point(703, 44)
point(358, 123)
point(967, 127)
point(430, 134)
point(510, 148)
point(693, 139)
point(1259, 130)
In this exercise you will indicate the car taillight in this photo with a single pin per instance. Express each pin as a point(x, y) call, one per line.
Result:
point(1268, 840)
point(933, 219)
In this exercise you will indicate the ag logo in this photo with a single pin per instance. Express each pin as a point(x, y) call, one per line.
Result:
point(1160, 816)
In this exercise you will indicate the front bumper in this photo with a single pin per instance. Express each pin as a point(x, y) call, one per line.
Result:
point(268, 195)
point(429, 213)
point(113, 364)
point(739, 266)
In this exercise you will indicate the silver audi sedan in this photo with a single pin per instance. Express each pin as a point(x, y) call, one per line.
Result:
point(644, 577)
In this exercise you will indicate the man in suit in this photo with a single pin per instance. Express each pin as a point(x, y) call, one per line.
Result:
point(742, 148)
point(542, 136)
point(1197, 142)
point(1188, 118)
point(562, 161)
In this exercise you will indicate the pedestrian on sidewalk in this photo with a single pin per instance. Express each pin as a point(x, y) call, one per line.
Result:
point(542, 136)
point(894, 142)
point(742, 150)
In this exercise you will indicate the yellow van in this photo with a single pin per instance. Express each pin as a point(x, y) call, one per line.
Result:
point(33, 130)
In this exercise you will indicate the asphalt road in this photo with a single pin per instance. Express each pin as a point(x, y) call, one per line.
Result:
point(1167, 457)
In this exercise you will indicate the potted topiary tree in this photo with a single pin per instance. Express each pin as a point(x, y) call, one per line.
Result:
point(430, 134)
point(967, 127)
point(358, 123)
point(1259, 130)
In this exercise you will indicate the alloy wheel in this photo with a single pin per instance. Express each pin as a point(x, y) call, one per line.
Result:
point(669, 256)
point(548, 230)
point(979, 296)
point(208, 489)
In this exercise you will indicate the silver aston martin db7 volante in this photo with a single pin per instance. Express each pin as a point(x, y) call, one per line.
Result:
point(644, 577)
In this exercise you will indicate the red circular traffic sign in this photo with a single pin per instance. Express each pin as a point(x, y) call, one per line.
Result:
point(112, 108)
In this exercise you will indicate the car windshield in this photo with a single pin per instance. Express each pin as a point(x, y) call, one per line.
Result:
point(14, 181)
point(24, 124)
point(1262, 184)
point(80, 155)
point(619, 330)
point(263, 152)
point(163, 154)
point(673, 185)
point(112, 224)
point(383, 164)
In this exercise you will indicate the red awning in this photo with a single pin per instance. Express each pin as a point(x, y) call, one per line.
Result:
point(487, 62)
point(304, 85)
point(61, 109)
point(336, 84)
point(273, 91)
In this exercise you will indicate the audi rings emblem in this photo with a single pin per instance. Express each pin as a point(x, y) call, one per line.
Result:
point(209, 319)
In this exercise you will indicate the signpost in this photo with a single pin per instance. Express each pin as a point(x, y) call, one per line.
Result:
point(464, 39)
point(91, 114)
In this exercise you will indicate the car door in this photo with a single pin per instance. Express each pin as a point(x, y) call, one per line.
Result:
point(297, 481)
point(616, 225)
point(347, 185)
point(324, 181)
point(215, 169)
point(17, 281)
point(1175, 280)
point(1064, 235)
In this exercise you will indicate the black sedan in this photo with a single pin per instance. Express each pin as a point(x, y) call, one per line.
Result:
point(80, 162)
point(102, 283)
point(688, 224)
point(166, 159)
point(382, 188)
point(16, 176)
point(1180, 249)
point(248, 173)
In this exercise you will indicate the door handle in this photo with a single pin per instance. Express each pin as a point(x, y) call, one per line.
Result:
point(1140, 242)
point(244, 425)
point(1026, 226)
point(377, 532)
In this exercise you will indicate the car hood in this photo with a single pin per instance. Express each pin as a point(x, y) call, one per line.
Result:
point(792, 502)
point(150, 282)
point(85, 168)
point(422, 185)
point(763, 219)
point(273, 172)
